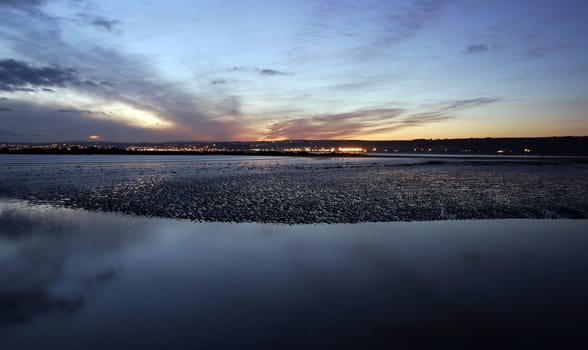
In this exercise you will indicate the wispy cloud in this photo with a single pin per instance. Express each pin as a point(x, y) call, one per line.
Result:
point(218, 81)
point(342, 125)
point(261, 71)
point(99, 22)
point(369, 121)
point(476, 48)
point(539, 52)
point(396, 22)
point(107, 24)
point(470, 103)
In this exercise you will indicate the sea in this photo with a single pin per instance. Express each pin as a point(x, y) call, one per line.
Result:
point(72, 278)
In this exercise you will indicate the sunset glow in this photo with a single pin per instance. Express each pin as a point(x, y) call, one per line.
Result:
point(227, 70)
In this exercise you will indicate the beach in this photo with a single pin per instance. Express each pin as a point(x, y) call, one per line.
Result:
point(291, 190)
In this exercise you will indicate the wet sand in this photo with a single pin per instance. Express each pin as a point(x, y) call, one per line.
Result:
point(306, 190)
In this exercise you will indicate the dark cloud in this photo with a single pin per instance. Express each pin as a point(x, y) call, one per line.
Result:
point(22, 3)
point(105, 23)
point(99, 22)
point(4, 109)
point(65, 110)
point(476, 48)
point(218, 81)
point(18, 75)
point(271, 72)
point(542, 51)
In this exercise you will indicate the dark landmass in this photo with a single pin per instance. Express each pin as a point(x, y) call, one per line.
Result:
point(539, 146)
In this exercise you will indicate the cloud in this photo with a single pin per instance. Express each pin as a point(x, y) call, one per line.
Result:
point(4, 109)
point(65, 110)
point(99, 22)
point(218, 81)
point(238, 69)
point(27, 122)
point(333, 126)
point(476, 49)
point(104, 23)
point(471, 103)
point(271, 72)
point(403, 22)
point(262, 71)
point(389, 23)
point(369, 121)
point(21, 3)
point(540, 52)
point(16, 75)
point(106, 76)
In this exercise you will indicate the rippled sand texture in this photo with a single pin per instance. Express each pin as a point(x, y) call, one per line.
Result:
point(310, 190)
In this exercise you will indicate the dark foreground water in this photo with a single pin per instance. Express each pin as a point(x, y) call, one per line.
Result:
point(79, 280)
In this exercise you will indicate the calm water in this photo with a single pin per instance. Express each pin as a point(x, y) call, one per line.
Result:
point(81, 280)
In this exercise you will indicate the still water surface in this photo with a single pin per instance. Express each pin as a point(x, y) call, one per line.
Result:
point(73, 279)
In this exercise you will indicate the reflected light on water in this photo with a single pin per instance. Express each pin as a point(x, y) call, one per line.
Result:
point(110, 281)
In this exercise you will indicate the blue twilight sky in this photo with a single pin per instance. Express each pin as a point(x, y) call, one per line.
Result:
point(159, 70)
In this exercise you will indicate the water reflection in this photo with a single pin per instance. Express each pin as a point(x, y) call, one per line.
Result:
point(71, 279)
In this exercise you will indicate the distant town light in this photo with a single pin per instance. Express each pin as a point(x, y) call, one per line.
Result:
point(351, 149)
point(94, 137)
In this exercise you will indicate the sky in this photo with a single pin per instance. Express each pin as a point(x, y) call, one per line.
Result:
point(185, 70)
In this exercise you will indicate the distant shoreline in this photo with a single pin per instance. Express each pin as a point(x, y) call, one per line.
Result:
point(122, 152)
point(537, 146)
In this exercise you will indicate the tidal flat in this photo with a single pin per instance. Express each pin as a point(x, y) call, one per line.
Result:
point(291, 190)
